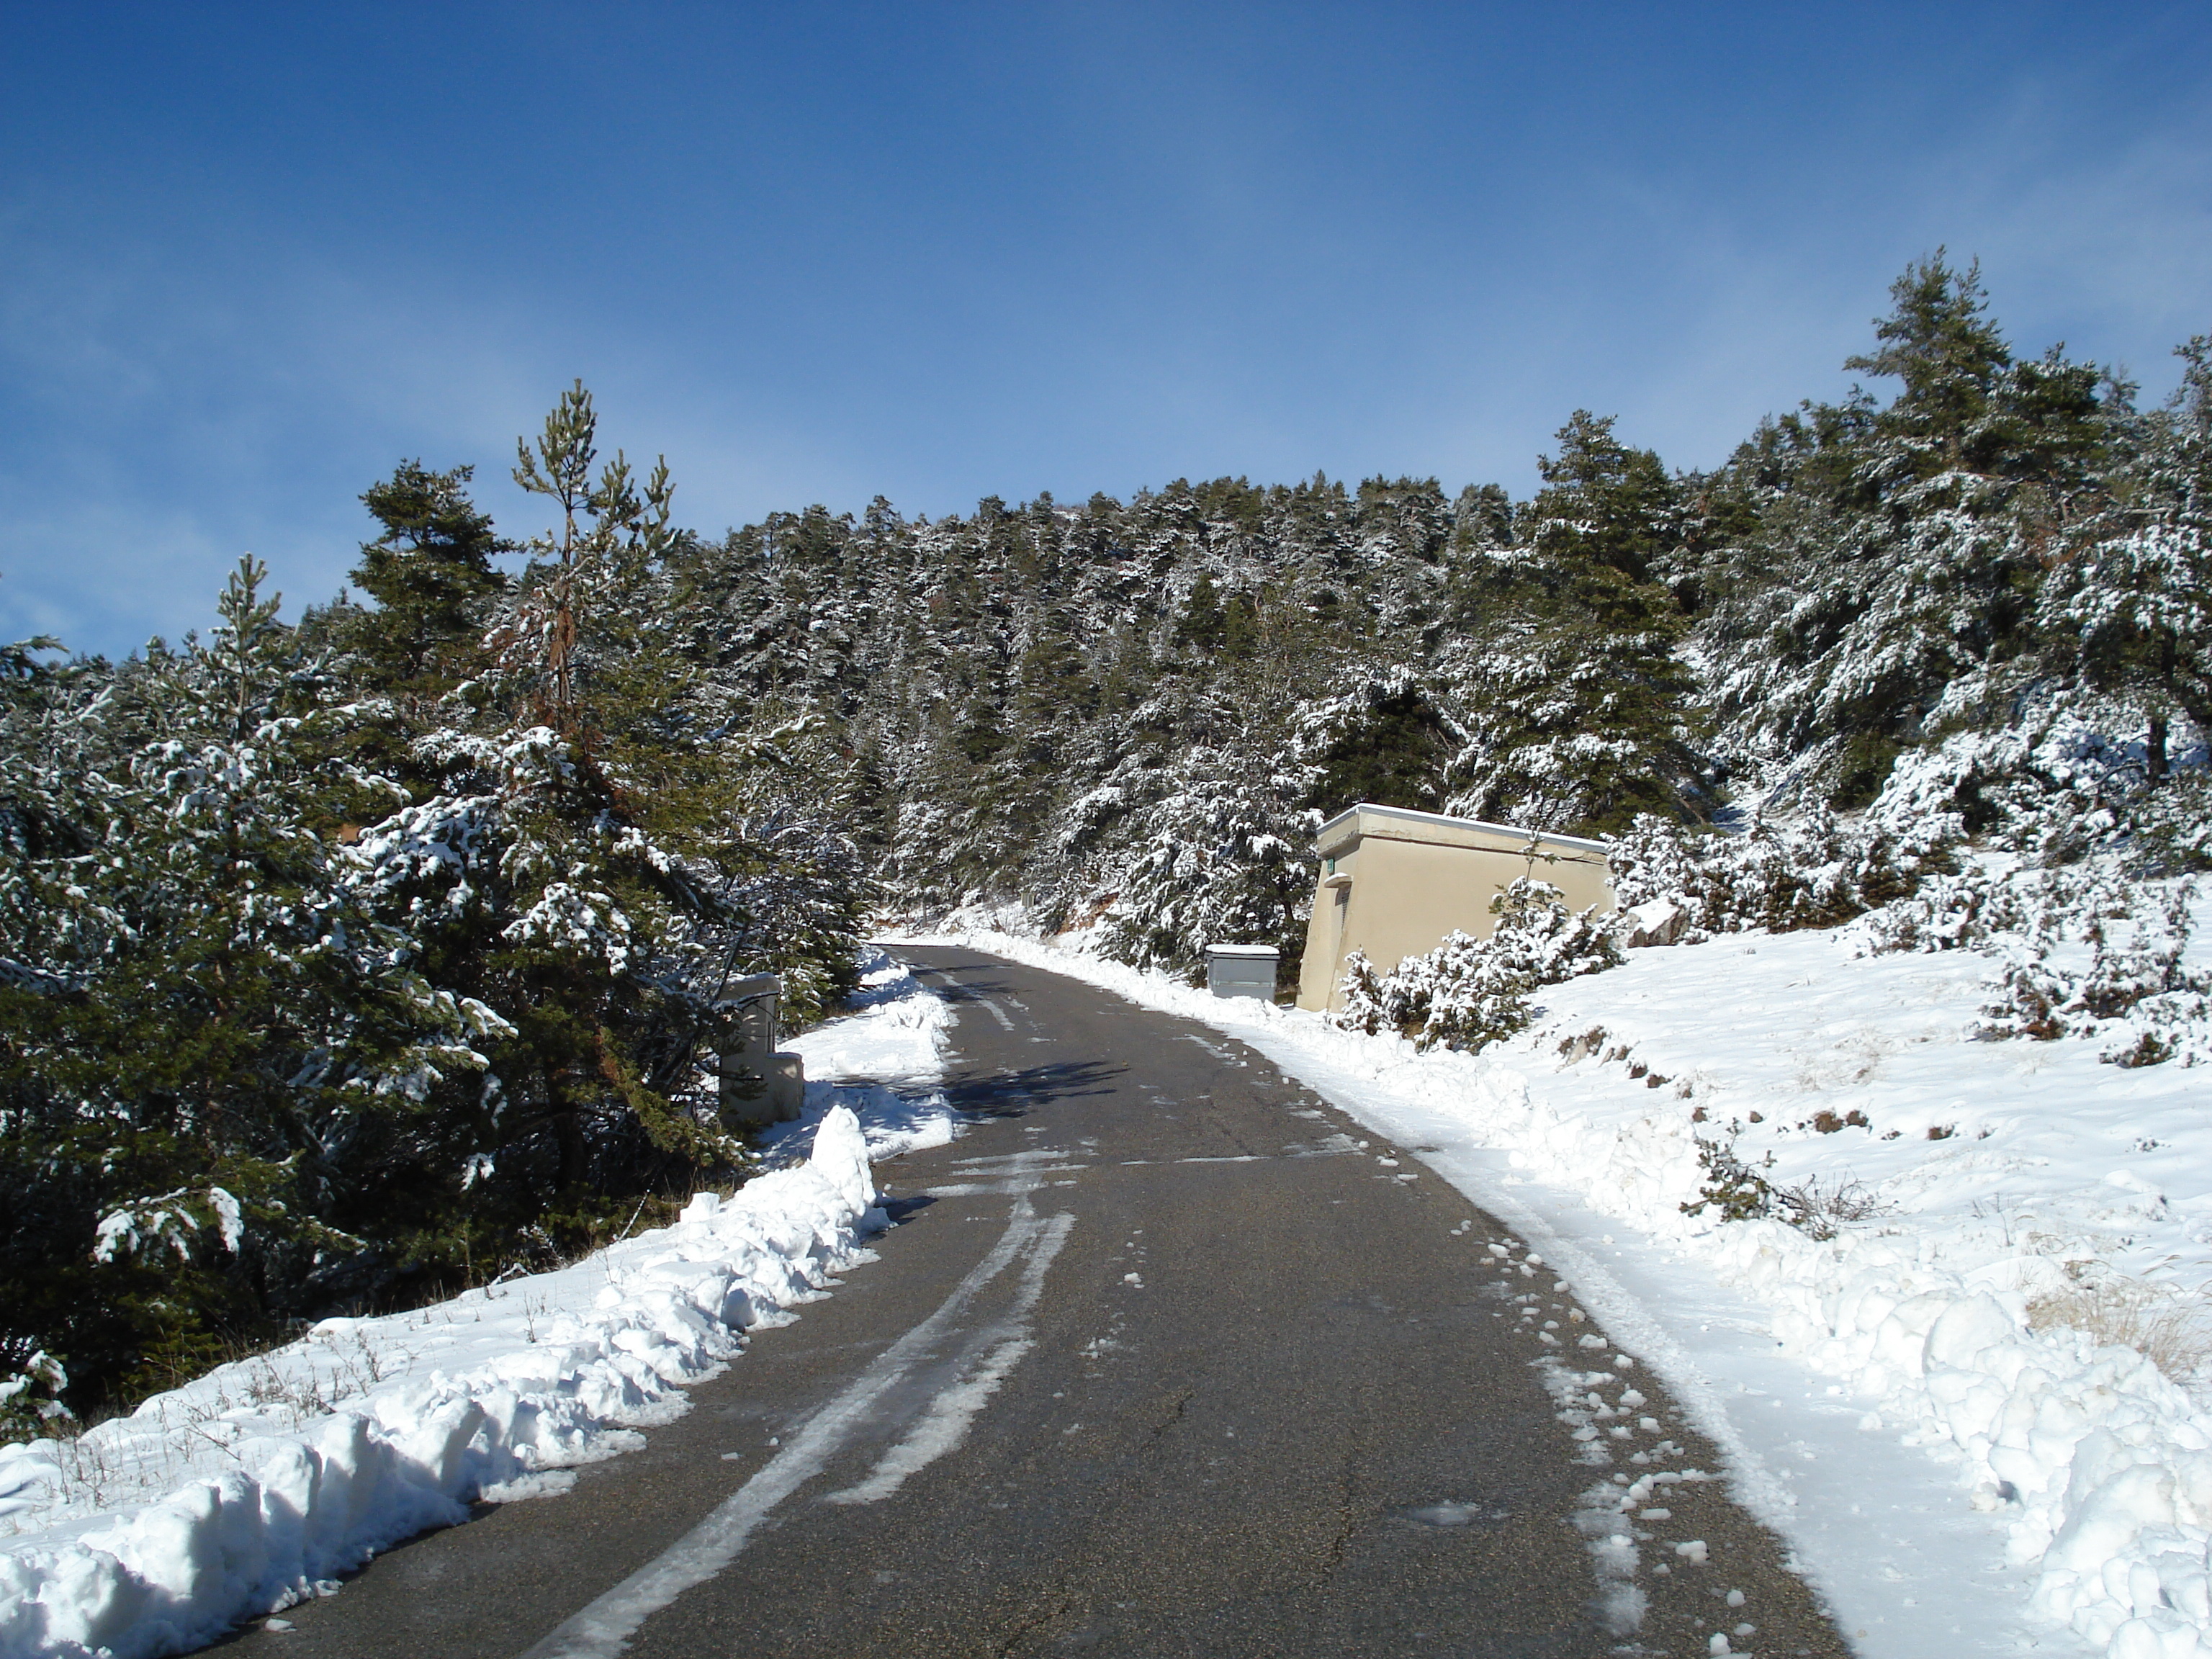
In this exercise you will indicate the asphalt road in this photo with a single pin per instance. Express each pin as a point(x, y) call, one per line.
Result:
point(1164, 1357)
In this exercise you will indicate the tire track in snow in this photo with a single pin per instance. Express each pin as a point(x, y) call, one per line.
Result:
point(603, 1629)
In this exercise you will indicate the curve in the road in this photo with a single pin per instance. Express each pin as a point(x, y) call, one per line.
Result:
point(1163, 1358)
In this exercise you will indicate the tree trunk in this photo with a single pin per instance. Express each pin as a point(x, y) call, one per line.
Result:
point(568, 1136)
point(2154, 762)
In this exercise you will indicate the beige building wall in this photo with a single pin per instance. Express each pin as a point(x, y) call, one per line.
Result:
point(1393, 882)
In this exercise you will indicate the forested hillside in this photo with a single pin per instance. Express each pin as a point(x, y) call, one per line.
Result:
point(1995, 574)
point(346, 962)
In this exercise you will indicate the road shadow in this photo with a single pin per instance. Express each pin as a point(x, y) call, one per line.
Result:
point(972, 988)
point(1014, 1094)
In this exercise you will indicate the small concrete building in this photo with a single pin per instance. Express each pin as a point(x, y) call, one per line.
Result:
point(1393, 882)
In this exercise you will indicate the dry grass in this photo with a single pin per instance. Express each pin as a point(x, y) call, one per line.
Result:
point(2171, 1329)
point(1820, 1212)
point(1848, 1063)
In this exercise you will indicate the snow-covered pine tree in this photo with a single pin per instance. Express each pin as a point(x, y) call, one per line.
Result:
point(224, 1059)
point(1870, 559)
point(1224, 857)
point(590, 862)
point(1563, 669)
point(2129, 608)
point(1386, 740)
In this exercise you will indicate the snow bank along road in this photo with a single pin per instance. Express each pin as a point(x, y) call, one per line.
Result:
point(1163, 1358)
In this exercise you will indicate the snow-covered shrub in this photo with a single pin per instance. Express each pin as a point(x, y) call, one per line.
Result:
point(2174, 1025)
point(2041, 769)
point(31, 1387)
point(1361, 993)
point(2055, 773)
point(2171, 830)
point(1469, 992)
point(1950, 912)
point(1980, 905)
point(1739, 1191)
point(2134, 987)
point(1814, 873)
point(1463, 994)
point(2137, 992)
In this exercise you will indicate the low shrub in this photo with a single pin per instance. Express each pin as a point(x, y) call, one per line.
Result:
point(1471, 992)
point(1739, 1191)
point(1816, 872)
point(2138, 992)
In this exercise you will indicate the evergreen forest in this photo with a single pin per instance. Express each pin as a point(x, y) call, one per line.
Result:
point(348, 961)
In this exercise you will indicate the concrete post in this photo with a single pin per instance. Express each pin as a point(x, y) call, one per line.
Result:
point(758, 1086)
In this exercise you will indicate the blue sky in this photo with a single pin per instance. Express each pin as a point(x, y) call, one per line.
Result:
point(251, 257)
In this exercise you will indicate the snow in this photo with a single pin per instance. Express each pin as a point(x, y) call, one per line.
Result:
point(885, 1059)
point(1956, 1475)
point(257, 1484)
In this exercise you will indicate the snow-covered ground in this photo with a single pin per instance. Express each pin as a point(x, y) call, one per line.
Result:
point(881, 1062)
point(1958, 1476)
point(254, 1486)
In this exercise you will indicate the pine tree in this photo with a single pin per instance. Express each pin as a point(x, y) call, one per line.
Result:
point(1573, 706)
point(605, 528)
point(1939, 341)
point(2128, 610)
point(1603, 503)
point(429, 572)
point(228, 1055)
point(1388, 743)
point(1874, 565)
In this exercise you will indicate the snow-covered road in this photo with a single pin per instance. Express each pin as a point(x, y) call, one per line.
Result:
point(1170, 1357)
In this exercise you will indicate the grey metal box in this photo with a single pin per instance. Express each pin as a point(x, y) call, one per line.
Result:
point(1242, 970)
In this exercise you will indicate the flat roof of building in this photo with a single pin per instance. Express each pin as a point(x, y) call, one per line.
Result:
point(1440, 821)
